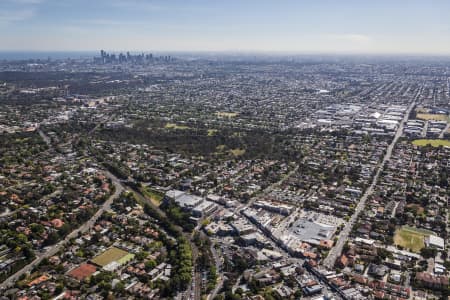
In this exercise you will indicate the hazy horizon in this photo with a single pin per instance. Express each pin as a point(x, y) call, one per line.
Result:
point(85, 54)
point(295, 27)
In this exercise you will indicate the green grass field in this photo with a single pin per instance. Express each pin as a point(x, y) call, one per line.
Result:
point(411, 238)
point(434, 143)
point(212, 132)
point(126, 258)
point(110, 255)
point(154, 195)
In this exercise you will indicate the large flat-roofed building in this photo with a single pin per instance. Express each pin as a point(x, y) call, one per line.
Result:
point(241, 226)
point(312, 232)
point(183, 199)
point(174, 194)
point(306, 230)
point(204, 208)
point(277, 207)
point(198, 206)
point(434, 241)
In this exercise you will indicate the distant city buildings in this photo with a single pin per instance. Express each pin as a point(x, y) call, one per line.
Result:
point(112, 58)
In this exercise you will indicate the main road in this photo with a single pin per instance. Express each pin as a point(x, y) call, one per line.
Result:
point(52, 250)
point(343, 236)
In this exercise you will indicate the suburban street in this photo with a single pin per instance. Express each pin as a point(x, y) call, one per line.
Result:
point(228, 174)
point(343, 236)
point(194, 290)
point(52, 250)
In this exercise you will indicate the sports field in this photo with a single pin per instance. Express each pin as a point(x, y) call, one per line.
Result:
point(110, 255)
point(437, 117)
point(410, 238)
point(434, 143)
point(125, 259)
point(227, 114)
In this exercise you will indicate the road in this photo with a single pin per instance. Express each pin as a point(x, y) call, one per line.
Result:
point(395, 209)
point(196, 278)
point(446, 129)
point(44, 137)
point(274, 244)
point(425, 129)
point(248, 204)
point(57, 247)
point(236, 284)
point(343, 237)
point(219, 283)
point(8, 212)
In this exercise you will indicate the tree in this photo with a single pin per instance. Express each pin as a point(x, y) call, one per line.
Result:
point(52, 238)
point(119, 287)
point(150, 264)
point(230, 296)
point(428, 252)
point(64, 229)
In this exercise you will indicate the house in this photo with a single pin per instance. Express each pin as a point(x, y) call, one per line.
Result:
point(432, 281)
point(312, 290)
point(377, 270)
point(343, 261)
point(284, 292)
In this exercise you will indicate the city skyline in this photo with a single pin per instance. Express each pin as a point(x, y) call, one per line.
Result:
point(416, 27)
point(224, 149)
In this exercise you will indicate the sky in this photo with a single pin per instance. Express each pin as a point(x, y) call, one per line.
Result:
point(294, 26)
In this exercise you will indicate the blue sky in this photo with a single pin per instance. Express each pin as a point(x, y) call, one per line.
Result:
point(315, 26)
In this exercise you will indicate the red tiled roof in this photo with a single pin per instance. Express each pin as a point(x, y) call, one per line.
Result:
point(83, 271)
point(326, 243)
point(57, 223)
point(343, 260)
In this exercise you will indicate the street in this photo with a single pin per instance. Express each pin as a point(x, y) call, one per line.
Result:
point(52, 250)
point(343, 236)
point(219, 283)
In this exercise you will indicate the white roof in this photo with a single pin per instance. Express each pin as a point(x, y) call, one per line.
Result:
point(111, 266)
point(387, 121)
point(436, 241)
point(364, 241)
point(175, 194)
point(375, 115)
